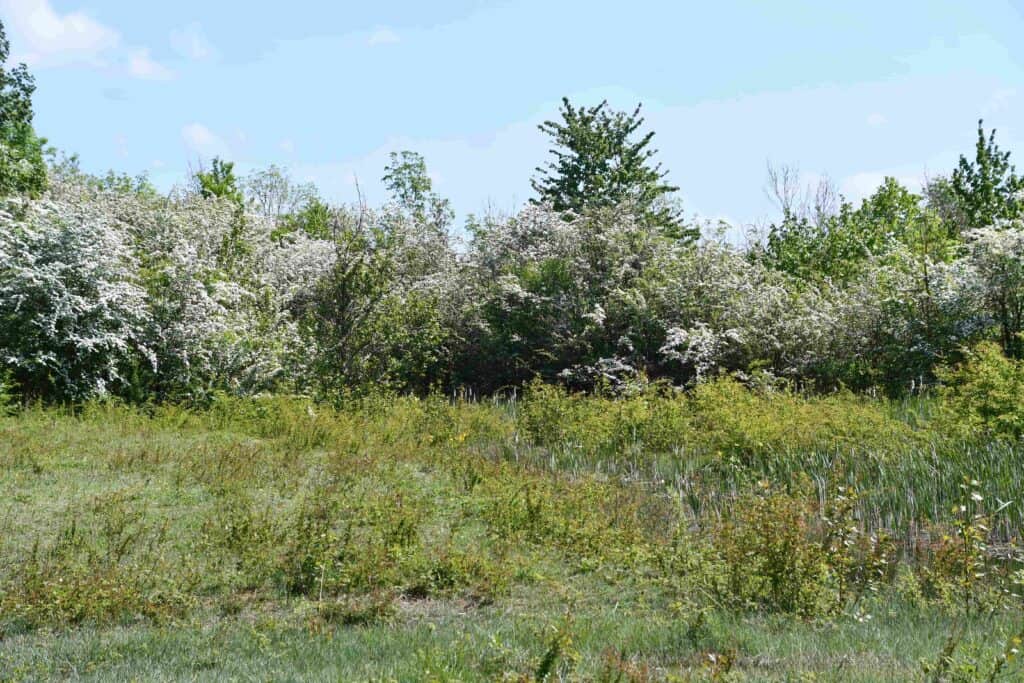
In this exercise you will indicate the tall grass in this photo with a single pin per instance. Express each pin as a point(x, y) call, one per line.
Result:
point(652, 521)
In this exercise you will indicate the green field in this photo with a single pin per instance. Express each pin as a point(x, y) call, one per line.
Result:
point(556, 538)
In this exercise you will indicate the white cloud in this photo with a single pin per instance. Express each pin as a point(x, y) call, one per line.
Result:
point(383, 36)
point(287, 146)
point(43, 37)
point(46, 38)
point(875, 120)
point(203, 142)
point(190, 42)
point(141, 65)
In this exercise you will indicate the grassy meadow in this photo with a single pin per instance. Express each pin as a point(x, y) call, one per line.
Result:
point(719, 535)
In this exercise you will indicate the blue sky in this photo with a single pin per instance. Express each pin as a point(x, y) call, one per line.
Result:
point(854, 90)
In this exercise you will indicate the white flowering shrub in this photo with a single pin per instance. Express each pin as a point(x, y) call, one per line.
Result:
point(108, 287)
point(540, 285)
point(997, 256)
point(725, 312)
point(102, 281)
point(73, 315)
point(224, 322)
point(900, 317)
point(601, 298)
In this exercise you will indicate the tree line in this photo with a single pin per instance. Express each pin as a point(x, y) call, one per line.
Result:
point(248, 284)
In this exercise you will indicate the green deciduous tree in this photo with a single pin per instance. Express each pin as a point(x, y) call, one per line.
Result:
point(314, 219)
point(22, 168)
point(599, 163)
point(839, 245)
point(407, 180)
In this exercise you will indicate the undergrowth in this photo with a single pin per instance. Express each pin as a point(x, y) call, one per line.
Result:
point(665, 508)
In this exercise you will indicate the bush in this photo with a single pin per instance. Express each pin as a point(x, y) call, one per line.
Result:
point(781, 552)
point(72, 314)
point(718, 418)
point(984, 395)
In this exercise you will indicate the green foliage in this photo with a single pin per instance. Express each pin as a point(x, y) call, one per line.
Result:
point(219, 181)
point(986, 188)
point(942, 199)
point(984, 395)
point(315, 219)
point(839, 246)
point(407, 180)
point(367, 329)
point(722, 419)
point(100, 566)
point(598, 164)
point(22, 168)
point(8, 395)
point(430, 534)
point(958, 571)
point(770, 557)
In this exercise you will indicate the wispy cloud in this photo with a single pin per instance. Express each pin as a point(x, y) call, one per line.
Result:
point(114, 94)
point(121, 145)
point(141, 65)
point(203, 142)
point(383, 35)
point(191, 42)
point(47, 38)
point(876, 120)
point(999, 101)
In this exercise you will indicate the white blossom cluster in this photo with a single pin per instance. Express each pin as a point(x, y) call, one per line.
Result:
point(109, 289)
point(98, 282)
point(612, 299)
point(71, 306)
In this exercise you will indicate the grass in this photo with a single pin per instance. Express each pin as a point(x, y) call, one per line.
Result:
point(558, 538)
point(431, 642)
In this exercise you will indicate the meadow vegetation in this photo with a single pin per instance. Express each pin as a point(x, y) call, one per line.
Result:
point(249, 434)
point(724, 534)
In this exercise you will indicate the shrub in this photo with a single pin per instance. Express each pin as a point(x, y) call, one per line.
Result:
point(984, 395)
point(72, 313)
point(731, 419)
point(780, 552)
point(720, 418)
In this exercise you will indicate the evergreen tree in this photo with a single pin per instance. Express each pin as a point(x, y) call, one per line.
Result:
point(219, 181)
point(599, 163)
point(22, 168)
point(986, 188)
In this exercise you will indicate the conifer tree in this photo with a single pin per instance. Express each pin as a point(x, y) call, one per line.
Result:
point(599, 162)
point(987, 188)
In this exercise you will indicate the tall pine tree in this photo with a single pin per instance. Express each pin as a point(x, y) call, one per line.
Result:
point(599, 162)
point(987, 188)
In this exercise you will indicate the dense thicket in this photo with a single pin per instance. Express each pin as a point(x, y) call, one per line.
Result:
point(253, 284)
